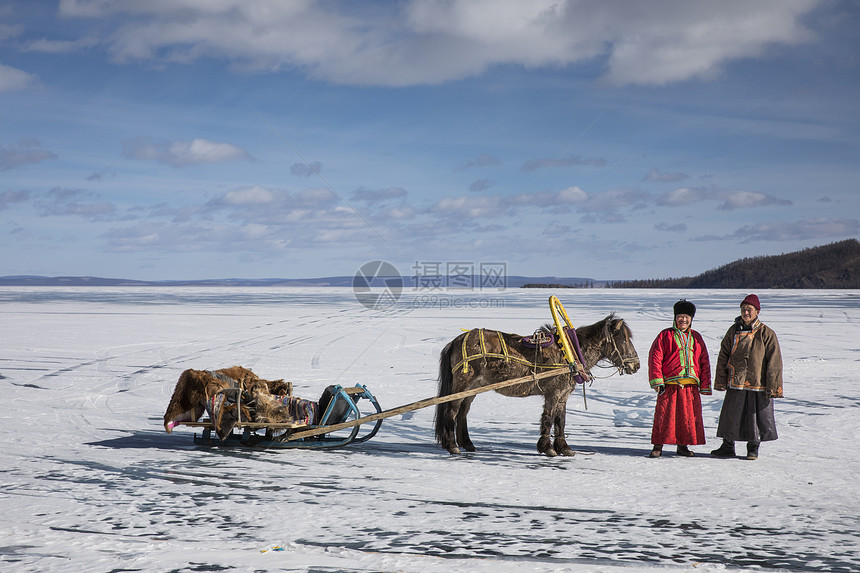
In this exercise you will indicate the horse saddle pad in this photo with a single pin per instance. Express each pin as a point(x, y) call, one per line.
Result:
point(540, 339)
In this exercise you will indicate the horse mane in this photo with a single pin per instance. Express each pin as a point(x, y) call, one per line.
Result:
point(598, 330)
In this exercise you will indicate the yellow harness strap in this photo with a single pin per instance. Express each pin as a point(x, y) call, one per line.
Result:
point(505, 355)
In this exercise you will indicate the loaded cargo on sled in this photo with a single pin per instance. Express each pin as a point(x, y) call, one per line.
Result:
point(240, 408)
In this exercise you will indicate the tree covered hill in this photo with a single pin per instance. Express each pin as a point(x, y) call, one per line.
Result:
point(833, 266)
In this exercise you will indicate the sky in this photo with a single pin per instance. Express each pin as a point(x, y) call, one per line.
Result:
point(192, 139)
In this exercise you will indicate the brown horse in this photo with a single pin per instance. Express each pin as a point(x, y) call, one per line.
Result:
point(480, 357)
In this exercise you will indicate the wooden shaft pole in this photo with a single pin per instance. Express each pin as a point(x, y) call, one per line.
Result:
point(425, 403)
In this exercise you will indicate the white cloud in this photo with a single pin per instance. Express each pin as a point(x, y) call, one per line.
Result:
point(820, 228)
point(555, 230)
point(471, 207)
point(434, 41)
point(151, 235)
point(744, 199)
point(14, 79)
point(183, 153)
point(257, 202)
point(732, 199)
point(480, 206)
point(255, 195)
point(379, 195)
point(614, 199)
point(676, 228)
point(571, 161)
point(564, 198)
point(400, 212)
point(61, 202)
point(655, 175)
point(102, 175)
point(682, 196)
point(47, 46)
point(606, 207)
point(26, 152)
point(573, 195)
point(10, 197)
point(483, 160)
point(481, 184)
point(683, 40)
point(7, 31)
point(300, 215)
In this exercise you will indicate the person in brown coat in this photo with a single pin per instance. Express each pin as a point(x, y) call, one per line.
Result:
point(749, 370)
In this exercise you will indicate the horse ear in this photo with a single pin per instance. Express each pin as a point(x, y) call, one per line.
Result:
point(618, 324)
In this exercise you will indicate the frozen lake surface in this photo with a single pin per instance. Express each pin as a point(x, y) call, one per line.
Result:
point(91, 482)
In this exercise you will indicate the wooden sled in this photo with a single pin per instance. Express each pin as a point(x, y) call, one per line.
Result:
point(342, 409)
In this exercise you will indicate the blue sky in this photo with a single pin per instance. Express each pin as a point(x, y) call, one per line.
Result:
point(190, 139)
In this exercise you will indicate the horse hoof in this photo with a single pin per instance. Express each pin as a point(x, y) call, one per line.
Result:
point(567, 452)
point(454, 451)
point(551, 453)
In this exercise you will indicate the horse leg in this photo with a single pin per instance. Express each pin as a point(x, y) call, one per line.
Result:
point(446, 412)
point(446, 415)
point(560, 442)
point(462, 427)
point(544, 444)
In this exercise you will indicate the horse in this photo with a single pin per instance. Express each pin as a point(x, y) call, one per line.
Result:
point(481, 357)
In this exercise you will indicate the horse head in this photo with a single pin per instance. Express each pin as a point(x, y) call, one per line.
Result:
point(618, 345)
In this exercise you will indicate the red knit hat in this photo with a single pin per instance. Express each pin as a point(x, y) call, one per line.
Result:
point(752, 299)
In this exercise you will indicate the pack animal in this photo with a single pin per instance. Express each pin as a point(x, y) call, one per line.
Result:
point(481, 357)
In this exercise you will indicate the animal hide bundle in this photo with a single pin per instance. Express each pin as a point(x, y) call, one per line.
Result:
point(219, 392)
point(269, 408)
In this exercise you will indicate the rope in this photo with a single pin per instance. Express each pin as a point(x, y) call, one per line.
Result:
point(538, 348)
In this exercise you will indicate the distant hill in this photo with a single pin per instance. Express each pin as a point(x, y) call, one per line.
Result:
point(461, 281)
point(833, 266)
point(35, 280)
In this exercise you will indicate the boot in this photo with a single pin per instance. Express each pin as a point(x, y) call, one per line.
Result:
point(727, 450)
point(685, 451)
point(752, 451)
point(657, 451)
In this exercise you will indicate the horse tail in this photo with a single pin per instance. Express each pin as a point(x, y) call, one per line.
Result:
point(446, 387)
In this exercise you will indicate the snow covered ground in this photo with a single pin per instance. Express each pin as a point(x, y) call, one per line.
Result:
point(91, 482)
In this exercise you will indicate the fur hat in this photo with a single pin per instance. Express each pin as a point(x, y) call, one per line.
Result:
point(684, 306)
point(752, 299)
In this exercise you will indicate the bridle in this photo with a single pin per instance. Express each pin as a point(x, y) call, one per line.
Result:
point(619, 361)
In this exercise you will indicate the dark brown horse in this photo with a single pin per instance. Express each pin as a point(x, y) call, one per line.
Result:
point(480, 357)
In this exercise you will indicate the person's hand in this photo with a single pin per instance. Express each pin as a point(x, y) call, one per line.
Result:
point(660, 388)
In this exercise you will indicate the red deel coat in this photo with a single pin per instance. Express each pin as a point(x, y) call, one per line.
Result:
point(668, 363)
